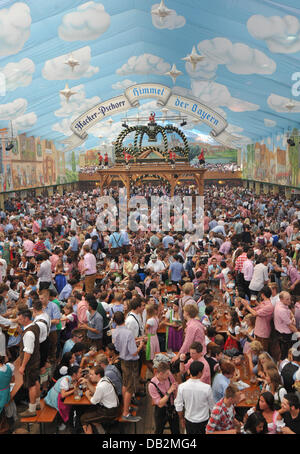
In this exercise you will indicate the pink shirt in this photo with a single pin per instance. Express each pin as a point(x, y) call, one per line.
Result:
point(53, 259)
point(289, 230)
point(282, 318)
point(163, 386)
point(82, 307)
point(297, 315)
point(263, 320)
point(248, 269)
point(194, 333)
point(36, 227)
point(225, 247)
point(206, 222)
point(28, 246)
point(89, 264)
point(205, 378)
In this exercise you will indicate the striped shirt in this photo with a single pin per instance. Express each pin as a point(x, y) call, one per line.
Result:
point(240, 262)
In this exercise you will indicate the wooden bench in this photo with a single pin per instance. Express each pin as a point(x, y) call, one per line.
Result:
point(44, 416)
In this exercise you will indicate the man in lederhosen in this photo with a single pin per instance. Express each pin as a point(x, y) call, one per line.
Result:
point(43, 320)
point(30, 360)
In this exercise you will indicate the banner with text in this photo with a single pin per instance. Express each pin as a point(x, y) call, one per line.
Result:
point(131, 99)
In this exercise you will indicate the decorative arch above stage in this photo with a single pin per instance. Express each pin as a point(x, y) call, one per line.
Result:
point(152, 130)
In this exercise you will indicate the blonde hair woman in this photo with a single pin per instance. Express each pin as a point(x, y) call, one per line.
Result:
point(254, 351)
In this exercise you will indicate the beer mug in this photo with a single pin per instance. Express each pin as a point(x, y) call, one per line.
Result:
point(12, 329)
point(77, 394)
point(279, 425)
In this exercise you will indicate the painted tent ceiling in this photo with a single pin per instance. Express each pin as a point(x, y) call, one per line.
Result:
point(251, 53)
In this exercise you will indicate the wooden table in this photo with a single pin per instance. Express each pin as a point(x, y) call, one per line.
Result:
point(252, 393)
point(18, 379)
point(251, 396)
point(70, 400)
point(221, 310)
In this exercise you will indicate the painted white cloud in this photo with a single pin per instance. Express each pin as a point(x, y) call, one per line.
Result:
point(106, 130)
point(13, 109)
point(281, 34)
point(88, 22)
point(15, 25)
point(123, 85)
point(57, 69)
point(172, 21)
point(217, 95)
point(233, 129)
point(144, 64)
point(24, 122)
point(278, 103)
point(18, 74)
point(188, 93)
point(269, 123)
point(238, 58)
point(77, 103)
point(64, 126)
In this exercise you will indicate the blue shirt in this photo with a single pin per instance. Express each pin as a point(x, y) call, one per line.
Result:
point(114, 374)
point(125, 237)
point(125, 343)
point(54, 313)
point(66, 292)
point(219, 229)
point(116, 240)
point(9, 227)
point(167, 240)
point(74, 244)
point(212, 224)
point(176, 269)
point(48, 244)
point(219, 386)
point(68, 345)
point(95, 321)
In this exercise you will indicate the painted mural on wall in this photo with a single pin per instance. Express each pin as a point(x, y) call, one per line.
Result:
point(273, 160)
point(33, 163)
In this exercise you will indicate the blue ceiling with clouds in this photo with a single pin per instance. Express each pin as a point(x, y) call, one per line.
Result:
point(251, 49)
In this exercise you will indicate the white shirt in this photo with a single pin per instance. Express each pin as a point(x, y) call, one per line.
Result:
point(3, 268)
point(44, 330)
point(105, 394)
point(260, 276)
point(28, 340)
point(274, 299)
point(133, 322)
point(156, 267)
point(73, 225)
point(65, 384)
point(196, 399)
point(3, 368)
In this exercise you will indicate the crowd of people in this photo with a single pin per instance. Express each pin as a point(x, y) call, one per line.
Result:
point(222, 167)
point(85, 311)
point(209, 166)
